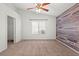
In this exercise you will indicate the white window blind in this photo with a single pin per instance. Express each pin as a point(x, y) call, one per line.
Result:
point(38, 27)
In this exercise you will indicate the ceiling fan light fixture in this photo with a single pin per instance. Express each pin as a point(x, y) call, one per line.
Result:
point(38, 10)
point(40, 6)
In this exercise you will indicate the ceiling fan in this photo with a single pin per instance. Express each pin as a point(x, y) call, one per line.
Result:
point(40, 6)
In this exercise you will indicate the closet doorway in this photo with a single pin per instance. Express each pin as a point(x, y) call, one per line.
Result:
point(10, 30)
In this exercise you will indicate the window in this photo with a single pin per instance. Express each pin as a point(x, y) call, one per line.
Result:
point(38, 27)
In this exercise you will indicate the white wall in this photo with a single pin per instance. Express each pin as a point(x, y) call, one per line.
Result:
point(4, 12)
point(27, 29)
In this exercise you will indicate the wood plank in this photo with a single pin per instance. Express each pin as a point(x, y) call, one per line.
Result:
point(38, 48)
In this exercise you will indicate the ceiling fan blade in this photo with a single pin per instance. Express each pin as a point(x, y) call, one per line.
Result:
point(45, 9)
point(29, 8)
point(44, 4)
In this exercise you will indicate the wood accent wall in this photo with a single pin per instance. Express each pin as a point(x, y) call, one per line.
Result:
point(68, 27)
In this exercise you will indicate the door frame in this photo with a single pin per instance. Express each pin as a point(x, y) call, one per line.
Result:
point(14, 20)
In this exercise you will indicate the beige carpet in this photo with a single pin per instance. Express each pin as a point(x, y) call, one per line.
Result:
point(38, 48)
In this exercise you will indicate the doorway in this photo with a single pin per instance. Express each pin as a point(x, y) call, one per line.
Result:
point(10, 30)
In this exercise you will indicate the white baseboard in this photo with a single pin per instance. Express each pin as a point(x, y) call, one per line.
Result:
point(68, 46)
point(39, 39)
point(3, 50)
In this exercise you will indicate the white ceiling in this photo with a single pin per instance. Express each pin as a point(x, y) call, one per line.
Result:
point(55, 9)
